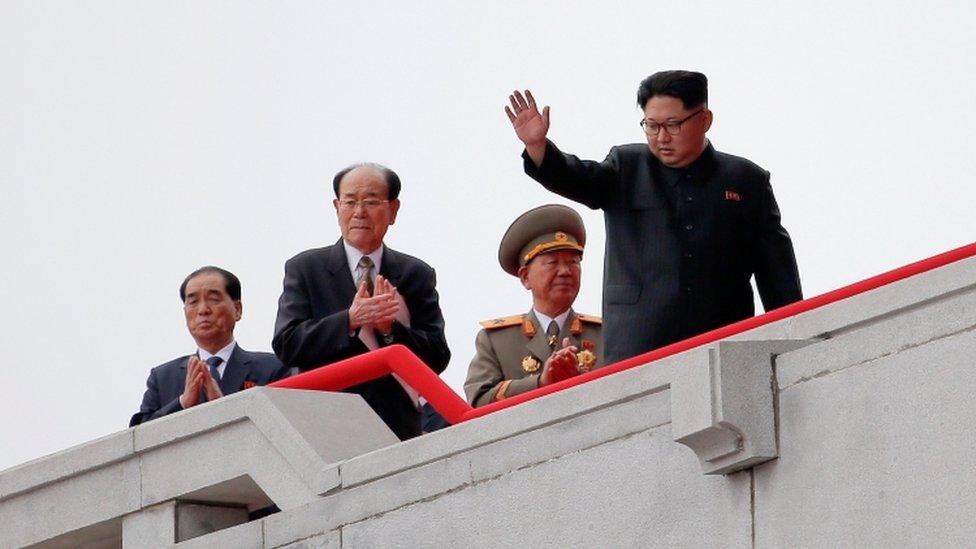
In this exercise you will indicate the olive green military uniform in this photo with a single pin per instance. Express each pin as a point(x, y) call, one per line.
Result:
point(511, 352)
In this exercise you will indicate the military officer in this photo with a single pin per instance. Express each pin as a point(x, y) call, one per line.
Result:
point(551, 342)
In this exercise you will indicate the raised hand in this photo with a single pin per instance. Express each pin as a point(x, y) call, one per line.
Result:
point(560, 365)
point(530, 126)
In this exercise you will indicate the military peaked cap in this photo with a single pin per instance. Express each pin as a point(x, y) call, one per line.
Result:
point(541, 230)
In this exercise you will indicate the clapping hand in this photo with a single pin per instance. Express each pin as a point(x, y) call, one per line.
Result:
point(560, 365)
point(198, 378)
point(195, 369)
point(376, 311)
point(384, 325)
point(210, 386)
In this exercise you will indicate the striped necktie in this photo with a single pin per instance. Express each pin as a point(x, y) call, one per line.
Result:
point(366, 266)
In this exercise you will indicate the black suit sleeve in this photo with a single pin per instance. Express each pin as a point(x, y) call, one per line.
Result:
point(151, 407)
point(303, 341)
point(263, 368)
point(425, 336)
point(280, 372)
point(777, 277)
point(584, 181)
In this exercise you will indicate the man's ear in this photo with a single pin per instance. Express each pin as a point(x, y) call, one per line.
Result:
point(708, 119)
point(523, 274)
point(394, 208)
point(239, 309)
point(335, 204)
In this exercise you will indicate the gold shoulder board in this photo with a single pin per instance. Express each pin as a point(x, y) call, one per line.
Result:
point(503, 322)
point(590, 319)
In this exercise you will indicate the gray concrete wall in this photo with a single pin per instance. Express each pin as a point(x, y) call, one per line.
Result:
point(847, 426)
point(877, 439)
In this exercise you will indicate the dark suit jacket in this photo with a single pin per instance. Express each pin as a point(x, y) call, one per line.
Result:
point(312, 329)
point(431, 420)
point(681, 245)
point(166, 382)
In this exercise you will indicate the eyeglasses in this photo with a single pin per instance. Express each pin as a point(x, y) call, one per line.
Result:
point(673, 127)
point(367, 203)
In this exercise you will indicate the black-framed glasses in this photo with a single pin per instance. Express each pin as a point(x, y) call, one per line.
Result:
point(367, 203)
point(673, 127)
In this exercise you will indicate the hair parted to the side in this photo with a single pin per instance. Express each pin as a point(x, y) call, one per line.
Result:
point(232, 283)
point(392, 179)
point(688, 86)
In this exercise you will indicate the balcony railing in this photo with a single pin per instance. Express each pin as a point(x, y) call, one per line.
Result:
point(401, 361)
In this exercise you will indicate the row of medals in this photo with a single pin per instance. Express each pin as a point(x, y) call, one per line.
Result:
point(585, 360)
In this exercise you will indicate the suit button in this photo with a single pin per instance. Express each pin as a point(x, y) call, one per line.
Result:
point(689, 227)
point(688, 255)
point(688, 199)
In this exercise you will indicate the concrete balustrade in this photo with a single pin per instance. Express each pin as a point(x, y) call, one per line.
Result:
point(217, 460)
point(848, 425)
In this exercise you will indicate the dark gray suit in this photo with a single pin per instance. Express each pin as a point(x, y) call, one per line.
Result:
point(682, 244)
point(312, 328)
point(166, 382)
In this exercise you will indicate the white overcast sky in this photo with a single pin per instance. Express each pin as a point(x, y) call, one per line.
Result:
point(140, 140)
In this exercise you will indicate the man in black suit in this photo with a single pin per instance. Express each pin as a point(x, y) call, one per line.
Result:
point(358, 295)
point(212, 304)
point(687, 226)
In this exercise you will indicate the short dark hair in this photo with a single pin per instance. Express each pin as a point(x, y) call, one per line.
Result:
point(690, 87)
point(232, 284)
point(392, 179)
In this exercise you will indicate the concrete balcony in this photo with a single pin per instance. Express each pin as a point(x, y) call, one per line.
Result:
point(847, 425)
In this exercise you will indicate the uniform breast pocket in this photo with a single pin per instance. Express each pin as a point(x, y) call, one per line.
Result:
point(622, 293)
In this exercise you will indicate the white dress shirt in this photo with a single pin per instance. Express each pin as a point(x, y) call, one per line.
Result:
point(353, 256)
point(545, 320)
point(223, 354)
point(368, 337)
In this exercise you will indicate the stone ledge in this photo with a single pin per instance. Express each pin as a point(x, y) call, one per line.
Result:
point(72, 461)
point(881, 302)
point(507, 423)
point(252, 448)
